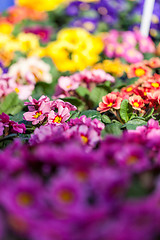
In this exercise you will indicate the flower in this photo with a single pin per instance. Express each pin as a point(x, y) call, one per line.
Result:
point(109, 101)
point(139, 70)
point(76, 48)
point(60, 117)
point(39, 115)
point(136, 102)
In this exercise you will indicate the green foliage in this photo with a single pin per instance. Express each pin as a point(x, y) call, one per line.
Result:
point(125, 110)
point(134, 123)
point(11, 104)
point(114, 128)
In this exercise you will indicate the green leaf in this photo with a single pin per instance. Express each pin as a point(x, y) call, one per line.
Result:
point(131, 80)
point(11, 104)
point(91, 114)
point(149, 113)
point(134, 123)
point(114, 128)
point(18, 117)
point(125, 110)
point(97, 94)
point(105, 119)
point(74, 114)
point(82, 91)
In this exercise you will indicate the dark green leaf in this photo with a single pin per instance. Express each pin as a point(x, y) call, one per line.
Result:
point(125, 110)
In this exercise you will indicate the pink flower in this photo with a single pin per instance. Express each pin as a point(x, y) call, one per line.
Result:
point(39, 115)
point(58, 102)
point(60, 117)
point(34, 104)
point(136, 101)
point(132, 55)
point(67, 83)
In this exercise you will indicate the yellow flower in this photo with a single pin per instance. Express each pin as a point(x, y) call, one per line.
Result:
point(3, 39)
point(114, 67)
point(28, 42)
point(45, 5)
point(38, 52)
point(6, 27)
point(75, 49)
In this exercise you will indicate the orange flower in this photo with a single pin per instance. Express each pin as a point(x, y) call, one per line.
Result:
point(153, 62)
point(136, 102)
point(139, 70)
point(111, 100)
point(17, 14)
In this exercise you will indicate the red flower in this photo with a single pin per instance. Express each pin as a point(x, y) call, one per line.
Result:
point(111, 100)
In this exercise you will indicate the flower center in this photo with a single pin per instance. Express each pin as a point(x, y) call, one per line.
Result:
point(16, 90)
point(136, 104)
point(66, 196)
point(132, 160)
point(129, 89)
point(110, 104)
point(139, 72)
point(57, 119)
point(24, 199)
point(156, 85)
point(37, 115)
point(84, 139)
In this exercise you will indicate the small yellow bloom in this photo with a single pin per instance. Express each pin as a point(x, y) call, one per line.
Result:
point(6, 28)
point(28, 41)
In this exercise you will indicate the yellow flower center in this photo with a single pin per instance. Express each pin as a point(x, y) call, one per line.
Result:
point(84, 139)
point(24, 199)
point(37, 115)
point(129, 89)
point(156, 85)
point(16, 90)
point(66, 196)
point(139, 72)
point(57, 119)
point(69, 86)
point(110, 104)
point(136, 104)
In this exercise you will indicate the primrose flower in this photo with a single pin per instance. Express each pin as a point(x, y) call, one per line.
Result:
point(67, 84)
point(38, 115)
point(31, 71)
point(136, 102)
point(109, 101)
point(60, 117)
point(139, 70)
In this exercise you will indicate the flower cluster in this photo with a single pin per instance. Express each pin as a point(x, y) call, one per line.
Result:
point(142, 95)
point(44, 110)
point(124, 45)
point(115, 67)
point(86, 78)
point(56, 188)
point(76, 48)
